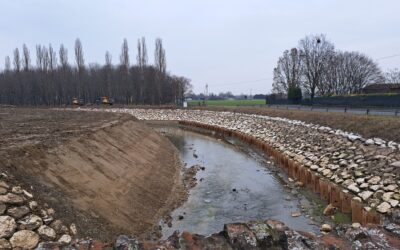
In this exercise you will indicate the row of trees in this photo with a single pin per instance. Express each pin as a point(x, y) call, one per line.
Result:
point(314, 67)
point(392, 76)
point(54, 81)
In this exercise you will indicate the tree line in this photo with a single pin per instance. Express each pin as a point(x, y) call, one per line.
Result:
point(315, 68)
point(54, 81)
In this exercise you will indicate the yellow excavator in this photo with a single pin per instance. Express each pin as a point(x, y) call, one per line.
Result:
point(77, 102)
point(106, 100)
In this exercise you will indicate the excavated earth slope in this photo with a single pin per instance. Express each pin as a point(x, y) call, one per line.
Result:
point(108, 174)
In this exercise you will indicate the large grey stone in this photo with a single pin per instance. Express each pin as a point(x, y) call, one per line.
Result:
point(11, 198)
point(18, 212)
point(395, 164)
point(7, 226)
point(5, 244)
point(24, 239)
point(30, 222)
point(353, 187)
point(365, 195)
point(65, 239)
point(46, 232)
point(384, 207)
point(374, 180)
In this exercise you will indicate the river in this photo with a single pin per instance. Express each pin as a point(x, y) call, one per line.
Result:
point(238, 184)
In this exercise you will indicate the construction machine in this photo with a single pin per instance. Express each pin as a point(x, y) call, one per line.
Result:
point(106, 100)
point(77, 102)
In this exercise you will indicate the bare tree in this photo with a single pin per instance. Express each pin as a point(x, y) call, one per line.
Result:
point(314, 51)
point(7, 64)
point(361, 71)
point(80, 62)
point(46, 59)
point(392, 76)
point(17, 60)
point(348, 73)
point(287, 72)
point(142, 53)
point(181, 87)
point(52, 59)
point(63, 53)
point(124, 57)
point(26, 62)
point(80, 87)
point(107, 73)
point(159, 57)
point(333, 80)
point(39, 57)
point(52, 83)
point(108, 58)
point(139, 54)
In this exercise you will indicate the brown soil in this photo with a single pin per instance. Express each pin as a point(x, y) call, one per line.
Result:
point(108, 173)
point(384, 127)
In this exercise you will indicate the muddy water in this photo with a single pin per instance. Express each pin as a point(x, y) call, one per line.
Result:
point(237, 185)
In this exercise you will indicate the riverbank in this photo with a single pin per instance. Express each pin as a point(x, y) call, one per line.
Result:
point(347, 169)
point(107, 173)
point(43, 149)
point(234, 183)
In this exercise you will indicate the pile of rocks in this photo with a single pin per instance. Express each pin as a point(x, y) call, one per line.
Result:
point(367, 168)
point(269, 234)
point(24, 224)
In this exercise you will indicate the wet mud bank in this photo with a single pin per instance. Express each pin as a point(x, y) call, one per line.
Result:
point(327, 190)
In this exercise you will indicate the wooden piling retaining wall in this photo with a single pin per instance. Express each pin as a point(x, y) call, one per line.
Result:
point(327, 190)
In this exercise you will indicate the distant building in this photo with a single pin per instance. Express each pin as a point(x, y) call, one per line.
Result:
point(381, 88)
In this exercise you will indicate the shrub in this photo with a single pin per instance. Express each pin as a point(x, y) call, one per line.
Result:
point(294, 95)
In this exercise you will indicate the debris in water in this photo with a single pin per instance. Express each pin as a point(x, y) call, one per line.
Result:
point(296, 214)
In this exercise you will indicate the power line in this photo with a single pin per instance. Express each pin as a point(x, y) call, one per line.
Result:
point(387, 57)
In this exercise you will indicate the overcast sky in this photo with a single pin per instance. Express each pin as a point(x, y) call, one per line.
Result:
point(229, 44)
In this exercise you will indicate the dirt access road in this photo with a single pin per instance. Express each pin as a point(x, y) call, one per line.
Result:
point(107, 173)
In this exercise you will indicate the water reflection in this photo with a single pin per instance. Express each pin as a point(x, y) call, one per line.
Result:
point(235, 187)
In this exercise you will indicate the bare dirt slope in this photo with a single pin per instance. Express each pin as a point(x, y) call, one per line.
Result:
point(106, 172)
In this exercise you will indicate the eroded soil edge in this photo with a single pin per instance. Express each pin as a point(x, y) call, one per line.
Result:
point(109, 174)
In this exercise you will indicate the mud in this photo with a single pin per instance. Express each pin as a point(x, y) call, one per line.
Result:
point(107, 173)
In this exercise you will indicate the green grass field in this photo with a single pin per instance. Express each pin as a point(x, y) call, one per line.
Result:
point(227, 103)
